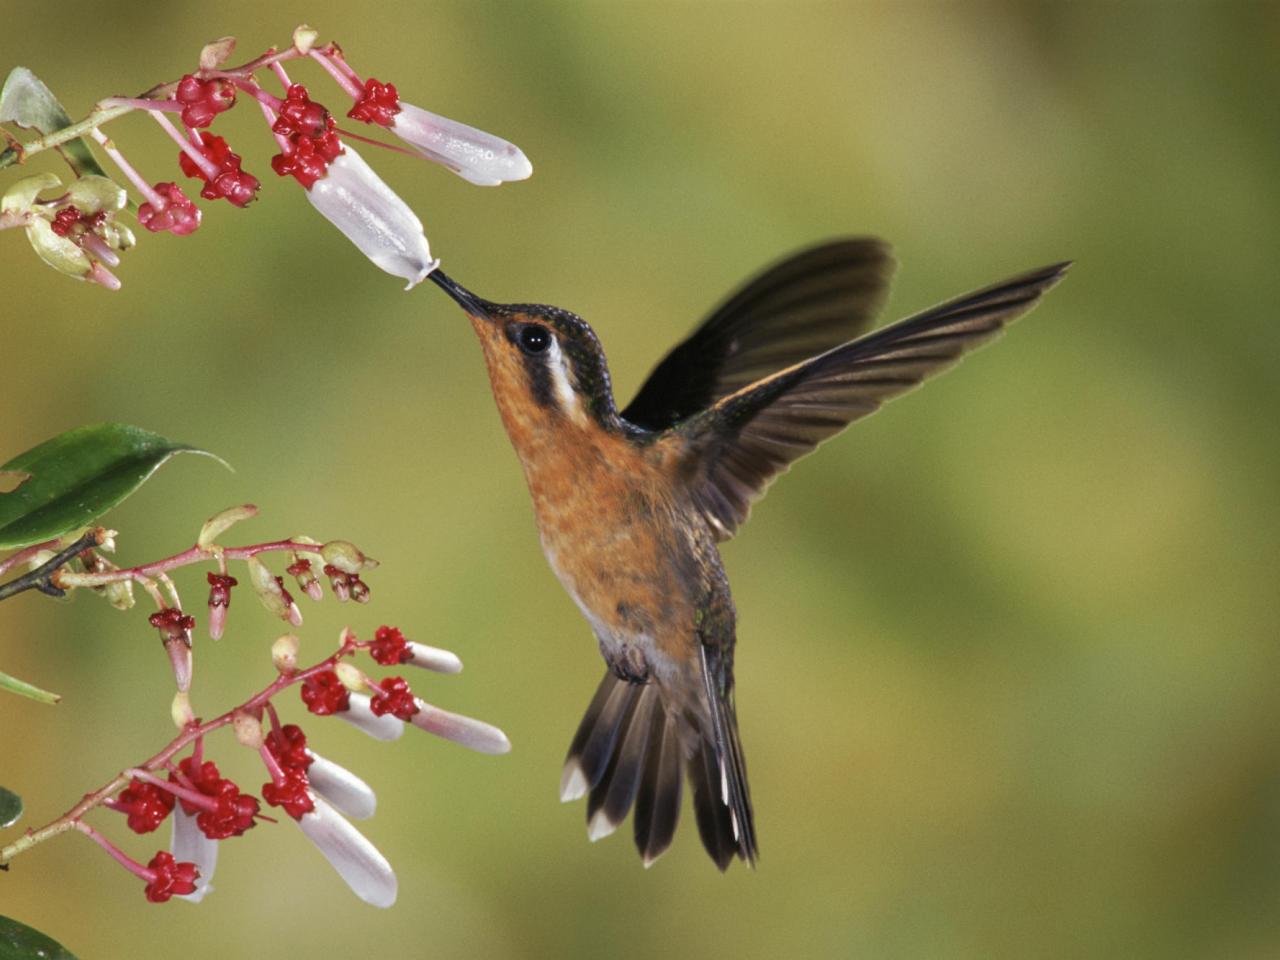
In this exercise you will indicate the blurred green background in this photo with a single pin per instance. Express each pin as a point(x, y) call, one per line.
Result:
point(1007, 650)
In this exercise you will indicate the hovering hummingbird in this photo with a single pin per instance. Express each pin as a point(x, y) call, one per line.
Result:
point(630, 505)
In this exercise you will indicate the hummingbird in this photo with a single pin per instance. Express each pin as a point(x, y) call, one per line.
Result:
point(630, 505)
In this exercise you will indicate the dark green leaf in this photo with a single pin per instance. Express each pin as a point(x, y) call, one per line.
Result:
point(14, 685)
point(26, 101)
point(76, 477)
point(10, 807)
point(20, 942)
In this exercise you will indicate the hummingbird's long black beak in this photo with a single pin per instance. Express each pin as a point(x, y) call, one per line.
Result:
point(467, 300)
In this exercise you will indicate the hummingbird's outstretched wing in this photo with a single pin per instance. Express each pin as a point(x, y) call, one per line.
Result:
point(736, 447)
point(794, 310)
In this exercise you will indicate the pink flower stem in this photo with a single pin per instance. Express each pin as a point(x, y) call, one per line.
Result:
point(193, 797)
point(335, 57)
point(139, 182)
point(207, 167)
point(117, 854)
point(348, 134)
point(71, 820)
point(281, 141)
point(255, 91)
point(273, 768)
point(348, 80)
point(275, 720)
point(67, 579)
point(278, 69)
point(22, 556)
point(142, 103)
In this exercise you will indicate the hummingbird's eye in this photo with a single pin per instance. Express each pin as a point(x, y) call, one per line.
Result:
point(534, 338)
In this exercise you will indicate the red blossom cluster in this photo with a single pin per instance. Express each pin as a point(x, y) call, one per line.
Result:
point(227, 180)
point(291, 789)
point(379, 104)
point(202, 100)
point(145, 804)
point(324, 694)
point(169, 877)
point(172, 211)
point(311, 138)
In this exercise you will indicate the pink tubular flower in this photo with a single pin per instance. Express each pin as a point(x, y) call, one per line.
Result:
point(173, 212)
point(190, 844)
point(358, 862)
point(370, 214)
point(380, 727)
point(476, 156)
point(464, 731)
point(219, 600)
point(342, 788)
point(175, 632)
point(390, 648)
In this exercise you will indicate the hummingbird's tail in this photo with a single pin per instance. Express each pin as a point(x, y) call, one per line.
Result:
point(630, 750)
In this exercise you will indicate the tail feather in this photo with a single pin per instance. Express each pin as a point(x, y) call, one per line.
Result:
point(632, 751)
point(611, 799)
point(658, 803)
point(593, 745)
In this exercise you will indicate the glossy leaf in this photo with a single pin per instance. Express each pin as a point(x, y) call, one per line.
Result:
point(77, 477)
point(26, 101)
point(20, 942)
point(10, 807)
point(22, 688)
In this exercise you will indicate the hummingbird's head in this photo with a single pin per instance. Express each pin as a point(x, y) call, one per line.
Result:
point(545, 364)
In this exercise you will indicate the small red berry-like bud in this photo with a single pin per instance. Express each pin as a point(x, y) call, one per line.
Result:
point(145, 804)
point(175, 633)
point(169, 877)
point(203, 100)
point(339, 582)
point(236, 185)
point(65, 219)
point(289, 748)
point(389, 647)
point(220, 586)
point(292, 794)
point(379, 104)
point(324, 694)
point(393, 696)
point(313, 140)
point(233, 815)
point(175, 212)
point(308, 582)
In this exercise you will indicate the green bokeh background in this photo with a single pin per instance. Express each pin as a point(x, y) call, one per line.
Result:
point(1008, 650)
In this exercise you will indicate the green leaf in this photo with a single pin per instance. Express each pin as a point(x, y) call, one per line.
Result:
point(21, 687)
point(10, 808)
point(26, 101)
point(20, 942)
point(77, 477)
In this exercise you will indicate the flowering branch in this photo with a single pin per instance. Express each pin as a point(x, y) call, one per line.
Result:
point(41, 578)
point(76, 231)
point(224, 811)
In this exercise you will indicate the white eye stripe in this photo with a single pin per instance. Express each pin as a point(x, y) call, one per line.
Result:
point(566, 396)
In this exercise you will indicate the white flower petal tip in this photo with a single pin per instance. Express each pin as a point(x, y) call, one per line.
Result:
point(373, 217)
point(358, 862)
point(191, 845)
point(342, 788)
point(600, 827)
point(464, 731)
point(573, 783)
point(359, 715)
point(429, 269)
point(476, 156)
point(433, 658)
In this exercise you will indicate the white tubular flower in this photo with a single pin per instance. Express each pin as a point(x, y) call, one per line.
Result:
point(464, 731)
point(472, 154)
point(358, 862)
point(370, 214)
point(360, 716)
point(341, 787)
point(190, 844)
point(433, 658)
